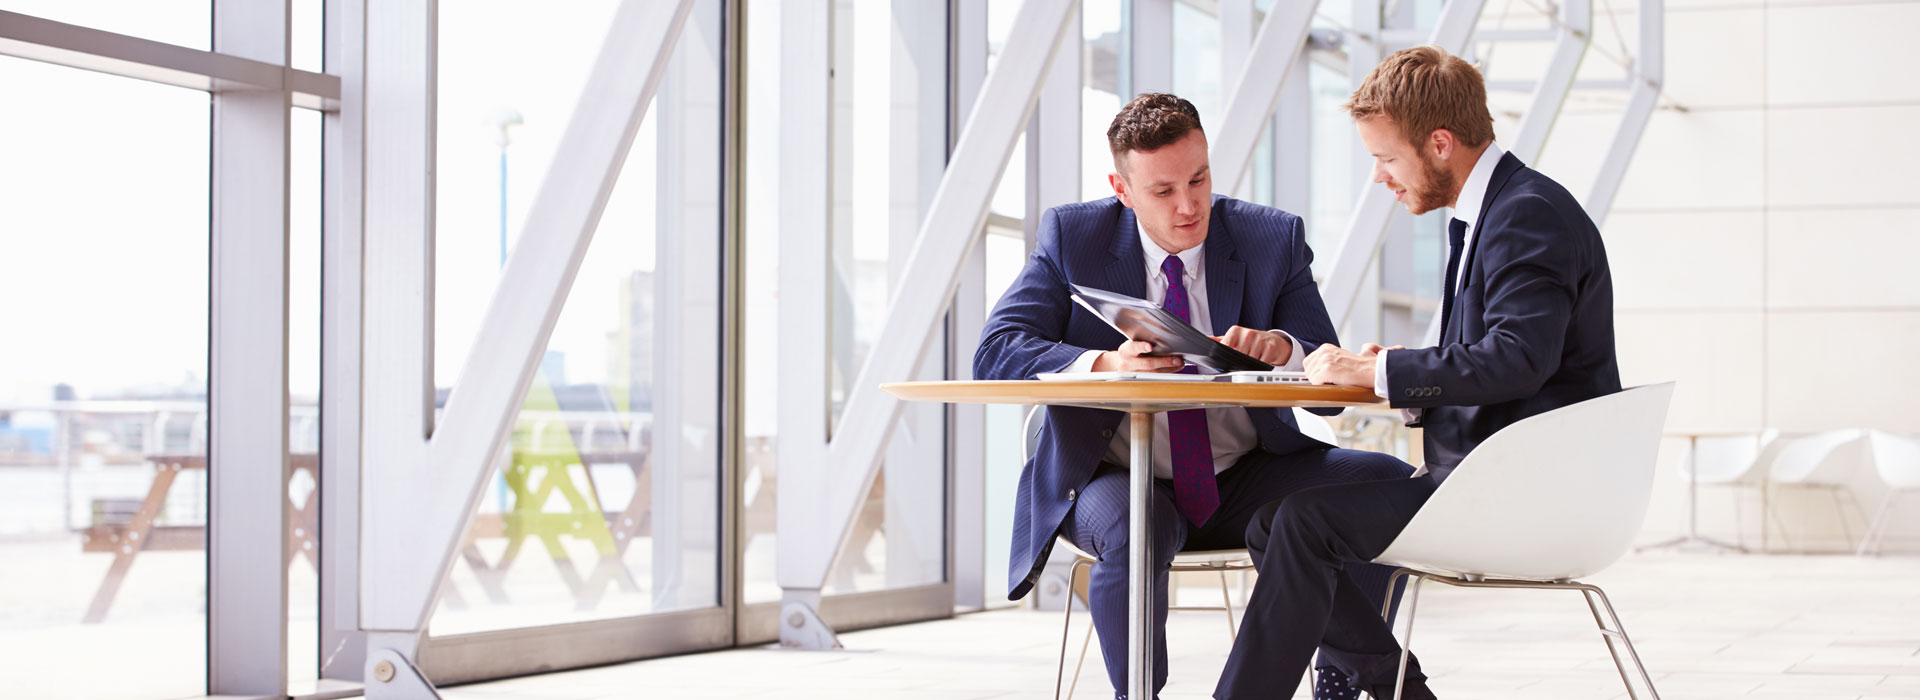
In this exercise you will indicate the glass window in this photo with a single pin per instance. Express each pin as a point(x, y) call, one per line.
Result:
point(303, 391)
point(103, 499)
point(884, 175)
point(607, 503)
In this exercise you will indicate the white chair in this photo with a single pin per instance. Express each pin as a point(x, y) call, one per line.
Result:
point(1738, 462)
point(1219, 561)
point(1821, 461)
point(1546, 501)
point(1897, 459)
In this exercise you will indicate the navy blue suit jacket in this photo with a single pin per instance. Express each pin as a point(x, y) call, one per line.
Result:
point(1531, 329)
point(1258, 276)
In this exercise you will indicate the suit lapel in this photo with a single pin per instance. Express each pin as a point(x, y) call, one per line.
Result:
point(1127, 272)
point(1225, 275)
point(1502, 173)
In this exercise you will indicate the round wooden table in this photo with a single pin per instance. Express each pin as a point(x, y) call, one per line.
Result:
point(1139, 400)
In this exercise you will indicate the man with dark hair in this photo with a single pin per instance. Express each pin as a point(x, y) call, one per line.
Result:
point(1231, 268)
point(1526, 327)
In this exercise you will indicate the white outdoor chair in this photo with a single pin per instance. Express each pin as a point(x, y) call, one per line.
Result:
point(1548, 500)
point(1822, 461)
point(1219, 561)
point(1738, 462)
point(1897, 459)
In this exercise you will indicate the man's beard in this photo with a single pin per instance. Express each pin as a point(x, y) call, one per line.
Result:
point(1435, 192)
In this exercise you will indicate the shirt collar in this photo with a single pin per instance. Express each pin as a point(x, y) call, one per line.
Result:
point(1191, 259)
point(1474, 193)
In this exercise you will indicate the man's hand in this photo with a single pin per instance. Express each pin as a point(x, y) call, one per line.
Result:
point(1265, 346)
point(1329, 364)
point(1371, 349)
point(1131, 357)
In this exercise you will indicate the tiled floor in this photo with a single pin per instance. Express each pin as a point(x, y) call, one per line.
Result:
point(1708, 626)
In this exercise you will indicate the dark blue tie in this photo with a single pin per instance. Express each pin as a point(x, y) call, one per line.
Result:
point(1456, 242)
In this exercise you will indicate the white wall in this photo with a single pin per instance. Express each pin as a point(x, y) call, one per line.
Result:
point(1763, 239)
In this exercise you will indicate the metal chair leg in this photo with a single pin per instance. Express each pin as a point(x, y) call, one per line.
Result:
point(1618, 631)
point(1406, 647)
point(1877, 529)
point(1066, 626)
point(1840, 511)
point(1226, 600)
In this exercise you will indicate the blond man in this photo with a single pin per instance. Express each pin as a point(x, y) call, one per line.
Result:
point(1527, 327)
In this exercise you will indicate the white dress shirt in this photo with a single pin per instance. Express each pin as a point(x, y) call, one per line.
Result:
point(1229, 429)
point(1473, 195)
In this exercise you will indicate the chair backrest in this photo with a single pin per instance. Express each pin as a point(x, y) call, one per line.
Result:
point(1820, 458)
point(1897, 458)
point(1315, 427)
point(1557, 496)
point(1030, 431)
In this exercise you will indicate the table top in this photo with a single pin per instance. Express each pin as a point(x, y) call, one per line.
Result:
point(1134, 396)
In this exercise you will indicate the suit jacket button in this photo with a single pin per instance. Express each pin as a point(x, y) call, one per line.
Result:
point(1436, 391)
point(1070, 494)
point(1108, 433)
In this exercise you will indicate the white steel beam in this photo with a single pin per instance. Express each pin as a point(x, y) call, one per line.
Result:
point(220, 70)
point(1576, 19)
point(1649, 75)
point(819, 500)
point(247, 433)
point(1269, 63)
point(806, 268)
point(397, 389)
point(1341, 286)
point(431, 501)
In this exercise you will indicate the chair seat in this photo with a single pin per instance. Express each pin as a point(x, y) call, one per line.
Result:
point(1213, 559)
point(1198, 560)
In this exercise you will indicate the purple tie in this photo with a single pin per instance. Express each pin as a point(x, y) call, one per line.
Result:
point(1194, 491)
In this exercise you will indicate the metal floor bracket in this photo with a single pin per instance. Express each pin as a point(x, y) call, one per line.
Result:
point(391, 675)
point(802, 628)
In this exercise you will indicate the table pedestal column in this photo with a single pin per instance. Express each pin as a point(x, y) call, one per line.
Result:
point(1140, 561)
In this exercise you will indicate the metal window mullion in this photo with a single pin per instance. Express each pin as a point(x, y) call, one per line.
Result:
point(1147, 53)
point(220, 70)
point(342, 646)
point(967, 51)
point(247, 445)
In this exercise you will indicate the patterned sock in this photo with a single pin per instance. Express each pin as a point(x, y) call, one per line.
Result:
point(1331, 684)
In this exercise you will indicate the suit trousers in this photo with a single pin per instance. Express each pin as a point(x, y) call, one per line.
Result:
point(1305, 548)
point(1098, 525)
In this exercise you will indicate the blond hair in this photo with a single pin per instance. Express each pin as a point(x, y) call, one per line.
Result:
point(1425, 88)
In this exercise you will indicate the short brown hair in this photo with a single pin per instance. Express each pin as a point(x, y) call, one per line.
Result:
point(1149, 122)
point(1425, 88)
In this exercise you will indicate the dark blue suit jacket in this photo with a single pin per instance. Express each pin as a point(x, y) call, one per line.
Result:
point(1531, 330)
point(1258, 276)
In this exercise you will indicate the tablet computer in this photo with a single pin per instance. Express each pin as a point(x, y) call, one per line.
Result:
point(1139, 319)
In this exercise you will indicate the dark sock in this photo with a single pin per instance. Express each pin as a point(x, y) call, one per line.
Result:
point(1330, 684)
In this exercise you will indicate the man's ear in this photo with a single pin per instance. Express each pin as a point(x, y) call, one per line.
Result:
point(1119, 184)
point(1442, 144)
